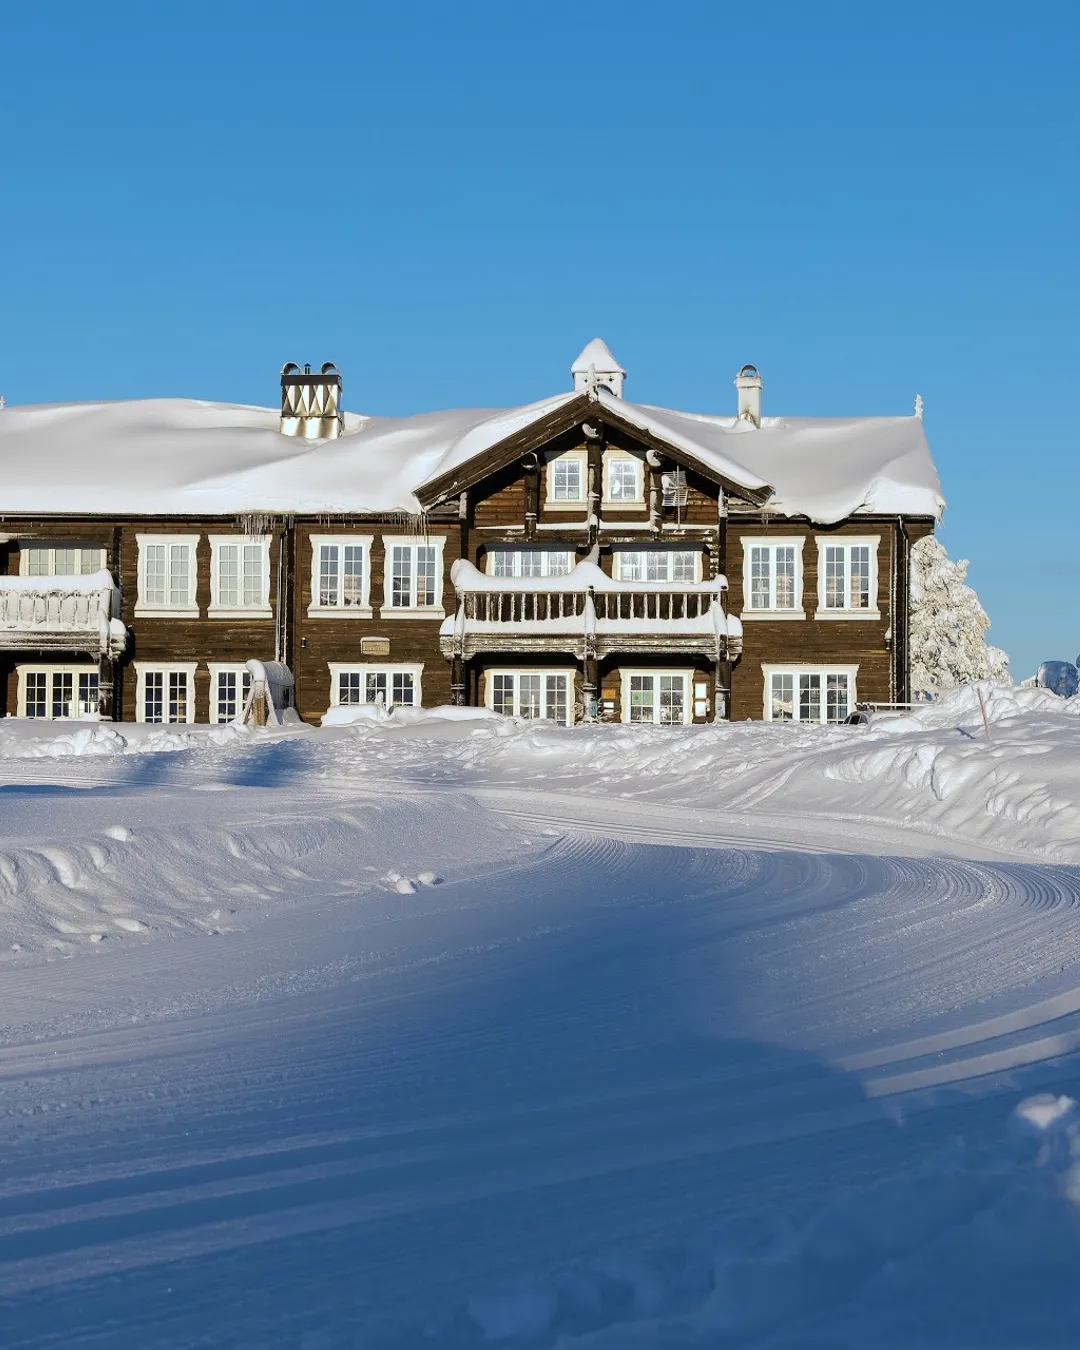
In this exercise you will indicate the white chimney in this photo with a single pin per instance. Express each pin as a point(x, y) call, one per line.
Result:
point(748, 383)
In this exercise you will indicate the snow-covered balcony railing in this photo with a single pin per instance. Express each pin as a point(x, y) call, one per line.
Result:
point(586, 608)
point(63, 613)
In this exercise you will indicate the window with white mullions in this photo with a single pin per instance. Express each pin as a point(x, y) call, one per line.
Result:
point(772, 576)
point(166, 694)
point(229, 693)
point(657, 565)
point(818, 697)
point(624, 480)
point(658, 698)
point(535, 695)
point(529, 562)
point(52, 692)
point(567, 480)
point(413, 576)
point(167, 573)
point(847, 584)
point(341, 575)
point(240, 573)
point(64, 561)
point(389, 686)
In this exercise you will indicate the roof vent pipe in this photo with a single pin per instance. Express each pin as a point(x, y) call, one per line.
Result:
point(311, 403)
point(748, 383)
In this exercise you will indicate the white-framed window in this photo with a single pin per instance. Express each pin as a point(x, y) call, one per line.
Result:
point(239, 576)
point(341, 575)
point(657, 564)
point(659, 697)
point(847, 577)
point(167, 575)
point(821, 695)
point(230, 684)
point(529, 562)
point(623, 478)
point(165, 693)
point(413, 576)
point(566, 478)
point(376, 682)
point(57, 691)
point(60, 560)
point(546, 694)
point(773, 578)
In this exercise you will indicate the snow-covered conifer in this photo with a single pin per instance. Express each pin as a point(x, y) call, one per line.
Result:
point(948, 625)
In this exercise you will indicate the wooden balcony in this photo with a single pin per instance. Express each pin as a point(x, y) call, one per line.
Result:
point(61, 613)
point(626, 618)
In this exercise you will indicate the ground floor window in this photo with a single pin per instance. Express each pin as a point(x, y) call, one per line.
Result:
point(801, 694)
point(229, 690)
point(57, 691)
point(656, 696)
point(392, 686)
point(531, 694)
point(165, 693)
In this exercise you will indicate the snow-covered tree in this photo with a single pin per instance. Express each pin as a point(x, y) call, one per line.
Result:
point(948, 625)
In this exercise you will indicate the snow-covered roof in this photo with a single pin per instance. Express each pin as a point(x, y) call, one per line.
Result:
point(186, 456)
point(596, 355)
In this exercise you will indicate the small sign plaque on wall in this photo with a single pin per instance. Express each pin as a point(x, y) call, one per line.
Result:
point(374, 646)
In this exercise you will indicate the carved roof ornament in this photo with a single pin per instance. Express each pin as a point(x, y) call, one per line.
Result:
point(596, 369)
point(918, 406)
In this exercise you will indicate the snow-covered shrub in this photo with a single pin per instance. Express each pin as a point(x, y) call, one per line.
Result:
point(948, 625)
point(1060, 677)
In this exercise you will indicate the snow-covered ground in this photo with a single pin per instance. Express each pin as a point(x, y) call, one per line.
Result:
point(464, 1032)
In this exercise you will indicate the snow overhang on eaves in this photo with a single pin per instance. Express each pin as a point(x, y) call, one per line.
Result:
point(633, 421)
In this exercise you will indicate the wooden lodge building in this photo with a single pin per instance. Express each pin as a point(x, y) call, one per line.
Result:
point(578, 557)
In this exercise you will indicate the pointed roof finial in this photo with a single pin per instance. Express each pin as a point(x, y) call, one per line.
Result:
point(918, 406)
point(595, 367)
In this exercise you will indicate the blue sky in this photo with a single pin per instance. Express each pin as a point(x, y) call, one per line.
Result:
point(448, 200)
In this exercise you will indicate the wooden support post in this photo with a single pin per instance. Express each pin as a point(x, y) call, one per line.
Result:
point(722, 691)
point(590, 685)
point(106, 688)
point(457, 681)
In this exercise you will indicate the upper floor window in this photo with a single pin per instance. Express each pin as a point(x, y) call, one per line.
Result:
point(167, 574)
point(239, 574)
point(847, 578)
point(772, 576)
point(679, 564)
point(566, 478)
point(529, 562)
point(61, 560)
point(413, 576)
point(624, 480)
point(341, 574)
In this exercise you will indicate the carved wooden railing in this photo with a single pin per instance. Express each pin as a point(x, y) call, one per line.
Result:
point(59, 612)
point(522, 606)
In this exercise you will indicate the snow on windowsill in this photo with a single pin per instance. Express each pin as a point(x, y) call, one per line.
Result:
point(427, 612)
point(847, 614)
point(340, 612)
point(164, 612)
point(774, 615)
point(238, 612)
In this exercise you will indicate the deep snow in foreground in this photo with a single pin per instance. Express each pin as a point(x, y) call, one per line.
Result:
point(435, 1031)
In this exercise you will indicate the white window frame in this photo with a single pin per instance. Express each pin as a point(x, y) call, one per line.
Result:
point(616, 565)
point(217, 668)
point(44, 668)
point(341, 611)
point(166, 668)
point(768, 671)
point(847, 542)
point(637, 501)
point(216, 609)
point(773, 541)
point(687, 675)
point(167, 610)
point(26, 546)
point(517, 671)
point(517, 549)
point(413, 541)
point(564, 504)
point(365, 668)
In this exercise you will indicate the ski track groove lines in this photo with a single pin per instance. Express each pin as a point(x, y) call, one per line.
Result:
point(398, 1099)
